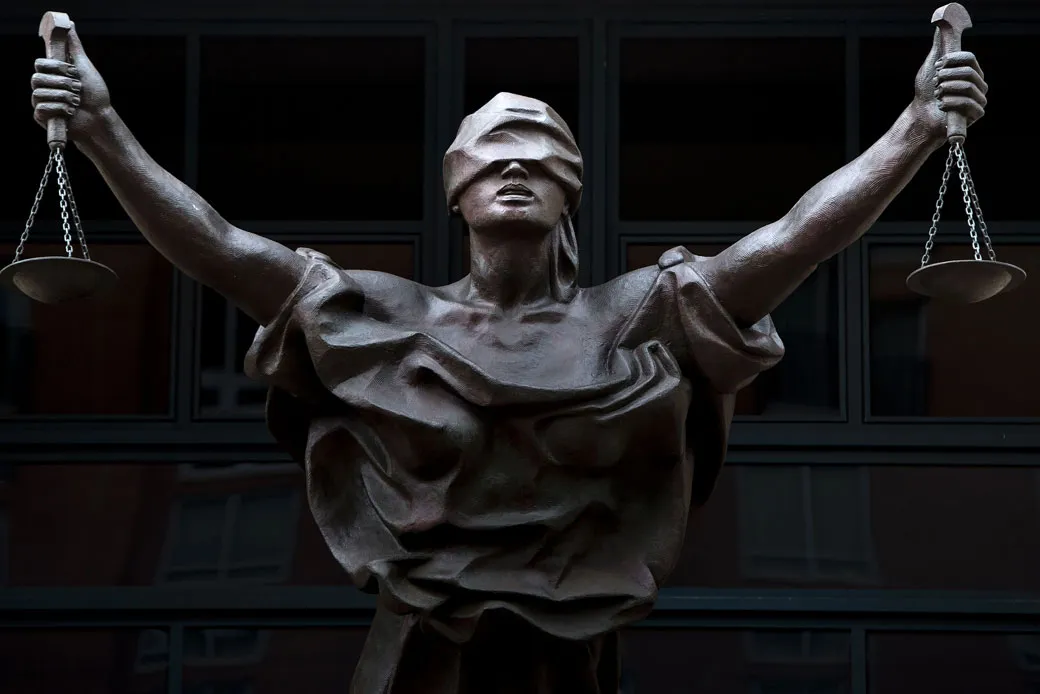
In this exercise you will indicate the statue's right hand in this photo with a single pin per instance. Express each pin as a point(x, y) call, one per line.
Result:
point(74, 90)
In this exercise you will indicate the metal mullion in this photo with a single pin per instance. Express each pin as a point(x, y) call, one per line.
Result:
point(859, 661)
point(448, 77)
point(612, 227)
point(175, 659)
point(547, 28)
point(853, 319)
point(405, 28)
point(425, 262)
point(1014, 232)
point(734, 29)
point(905, 29)
point(597, 212)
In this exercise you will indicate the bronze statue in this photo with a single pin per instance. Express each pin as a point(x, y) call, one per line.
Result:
point(509, 460)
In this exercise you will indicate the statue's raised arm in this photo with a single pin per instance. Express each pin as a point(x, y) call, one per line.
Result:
point(755, 274)
point(253, 272)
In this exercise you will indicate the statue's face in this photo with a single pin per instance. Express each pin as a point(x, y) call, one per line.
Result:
point(513, 197)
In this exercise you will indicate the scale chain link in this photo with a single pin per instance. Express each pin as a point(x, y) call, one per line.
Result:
point(63, 200)
point(930, 243)
point(969, 210)
point(76, 221)
point(35, 208)
point(978, 212)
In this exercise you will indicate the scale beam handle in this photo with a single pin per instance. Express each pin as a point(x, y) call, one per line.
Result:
point(54, 30)
point(952, 20)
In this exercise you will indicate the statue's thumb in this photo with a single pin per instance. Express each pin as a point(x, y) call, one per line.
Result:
point(937, 47)
point(75, 47)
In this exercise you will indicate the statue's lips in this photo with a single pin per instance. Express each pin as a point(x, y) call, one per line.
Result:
point(515, 191)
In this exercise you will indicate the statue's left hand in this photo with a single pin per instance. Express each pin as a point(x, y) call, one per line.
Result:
point(948, 83)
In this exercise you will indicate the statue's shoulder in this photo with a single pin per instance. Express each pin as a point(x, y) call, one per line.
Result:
point(624, 291)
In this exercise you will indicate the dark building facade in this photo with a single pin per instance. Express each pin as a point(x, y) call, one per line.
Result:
point(877, 528)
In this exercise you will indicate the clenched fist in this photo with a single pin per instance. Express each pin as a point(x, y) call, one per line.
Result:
point(74, 90)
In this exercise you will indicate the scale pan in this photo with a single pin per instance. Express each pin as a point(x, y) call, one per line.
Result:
point(965, 281)
point(55, 279)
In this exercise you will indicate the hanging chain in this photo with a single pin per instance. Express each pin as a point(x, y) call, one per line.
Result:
point(67, 202)
point(978, 211)
point(930, 243)
point(969, 209)
point(35, 208)
point(972, 208)
point(63, 201)
point(77, 222)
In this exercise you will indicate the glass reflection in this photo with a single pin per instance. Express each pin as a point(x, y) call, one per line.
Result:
point(681, 159)
point(82, 661)
point(225, 333)
point(104, 355)
point(808, 324)
point(934, 359)
point(735, 662)
point(845, 526)
point(954, 663)
point(271, 661)
point(263, 156)
point(139, 525)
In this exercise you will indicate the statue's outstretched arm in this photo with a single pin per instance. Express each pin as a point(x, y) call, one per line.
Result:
point(754, 275)
point(253, 272)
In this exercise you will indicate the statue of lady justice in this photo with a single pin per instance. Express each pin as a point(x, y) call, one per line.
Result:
point(509, 461)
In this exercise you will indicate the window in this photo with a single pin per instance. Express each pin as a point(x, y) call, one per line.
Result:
point(242, 537)
point(808, 325)
point(5, 551)
point(944, 662)
point(700, 138)
point(225, 333)
point(215, 471)
point(937, 359)
point(676, 661)
point(49, 659)
point(264, 155)
point(104, 355)
point(805, 523)
point(153, 650)
point(223, 687)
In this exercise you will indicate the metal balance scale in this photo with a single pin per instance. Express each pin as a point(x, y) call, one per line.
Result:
point(970, 280)
point(56, 279)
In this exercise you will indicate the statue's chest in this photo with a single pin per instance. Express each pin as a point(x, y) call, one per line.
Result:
point(545, 350)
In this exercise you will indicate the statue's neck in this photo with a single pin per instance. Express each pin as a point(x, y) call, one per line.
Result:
point(510, 271)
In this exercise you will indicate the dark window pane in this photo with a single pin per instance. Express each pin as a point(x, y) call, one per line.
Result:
point(541, 68)
point(707, 133)
point(83, 661)
point(226, 333)
point(954, 663)
point(255, 661)
point(808, 324)
point(674, 661)
point(999, 163)
point(104, 355)
point(163, 524)
point(159, 129)
point(936, 359)
point(268, 150)
point(845, 526)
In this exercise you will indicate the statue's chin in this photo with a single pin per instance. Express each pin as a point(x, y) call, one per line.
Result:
point(512, 221)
